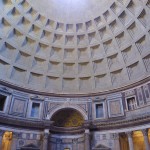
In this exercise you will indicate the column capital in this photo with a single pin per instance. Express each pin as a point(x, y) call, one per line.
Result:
point(115, 136)
point(129, 134)
point(145, 132)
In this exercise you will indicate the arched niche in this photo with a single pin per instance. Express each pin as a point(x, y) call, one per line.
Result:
point(68, 117)
point(67, 106)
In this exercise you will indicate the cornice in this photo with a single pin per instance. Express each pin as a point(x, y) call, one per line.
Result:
point(31, 91)
point(92, 125)
point(112, 124)
point(71, 130)
point(24, 123)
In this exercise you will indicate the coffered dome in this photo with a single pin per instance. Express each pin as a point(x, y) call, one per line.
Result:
point(74, 46)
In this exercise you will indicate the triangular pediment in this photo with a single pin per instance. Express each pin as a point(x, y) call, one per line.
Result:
point(101, 147)
point(30, 147)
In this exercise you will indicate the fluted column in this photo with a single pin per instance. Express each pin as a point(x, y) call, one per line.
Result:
point(74, 144)
point(59, 141)
point(129, 134)
point(145, 134)
point(87, 139)
point(115, 137)
point(14, 140)
point(45, 139)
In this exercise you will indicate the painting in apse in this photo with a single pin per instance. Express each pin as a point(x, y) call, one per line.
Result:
point(67, 118)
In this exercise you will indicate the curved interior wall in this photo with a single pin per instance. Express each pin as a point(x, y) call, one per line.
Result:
point(120, 113)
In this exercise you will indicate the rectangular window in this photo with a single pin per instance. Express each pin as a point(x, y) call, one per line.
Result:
point(35, 110)
point(99, 111)
point(131, 103)
point(2, 102)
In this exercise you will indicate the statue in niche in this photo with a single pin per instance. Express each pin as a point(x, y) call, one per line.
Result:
point(6, 141)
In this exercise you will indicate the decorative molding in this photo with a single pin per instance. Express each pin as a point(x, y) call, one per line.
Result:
point(28, 90)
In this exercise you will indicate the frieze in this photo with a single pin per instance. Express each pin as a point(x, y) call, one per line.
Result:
point(129, 93)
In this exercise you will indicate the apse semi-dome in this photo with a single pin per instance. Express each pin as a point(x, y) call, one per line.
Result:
point(74, 46)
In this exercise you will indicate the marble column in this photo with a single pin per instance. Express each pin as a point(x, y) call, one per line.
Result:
point(145, 134)
point(87, 139)
point(14, 140)
point(1, 138)
point(59, 141)
point(45, 139)
point(130, 140)
point(74, 144)
point(115, 137)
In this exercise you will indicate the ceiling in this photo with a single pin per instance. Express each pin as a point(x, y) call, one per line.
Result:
point(72, 46)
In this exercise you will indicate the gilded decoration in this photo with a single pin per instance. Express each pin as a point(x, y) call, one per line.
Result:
point(6, 141)
point(68, 118)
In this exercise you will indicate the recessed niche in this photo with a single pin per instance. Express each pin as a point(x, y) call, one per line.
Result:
point(5, 26)
point(54, 67)
point(99, 66)
point(70, 54)
point(53, 83)
point(58, 39)
point(83, 53)
point(100, 81)
point(36, 79)
point(125, 18)
point(18, 74)
point(16, 36)
point(97, 51)
point(90, 25)
point(84, 68)
point(41, 20)
point(104, 33)
point(42, 50)
point(69, 69)
point(60, 27)
point(68, 82)
point(81, 39)
point(80, 27)
point(39, 64)
point(28, 45)
point(83, 82)
point(31, 13)
point(24, 24)
point(69, 28)
point(35, 30)
point(23, 59)
point(50, 24)
point(56, 53)
point(46, 36)
point(5, 67)
point(8, 51)
point(110, 47)
point(69, 40)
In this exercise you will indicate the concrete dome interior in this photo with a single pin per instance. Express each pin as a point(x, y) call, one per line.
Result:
point(74, 74)
point(104, 44)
